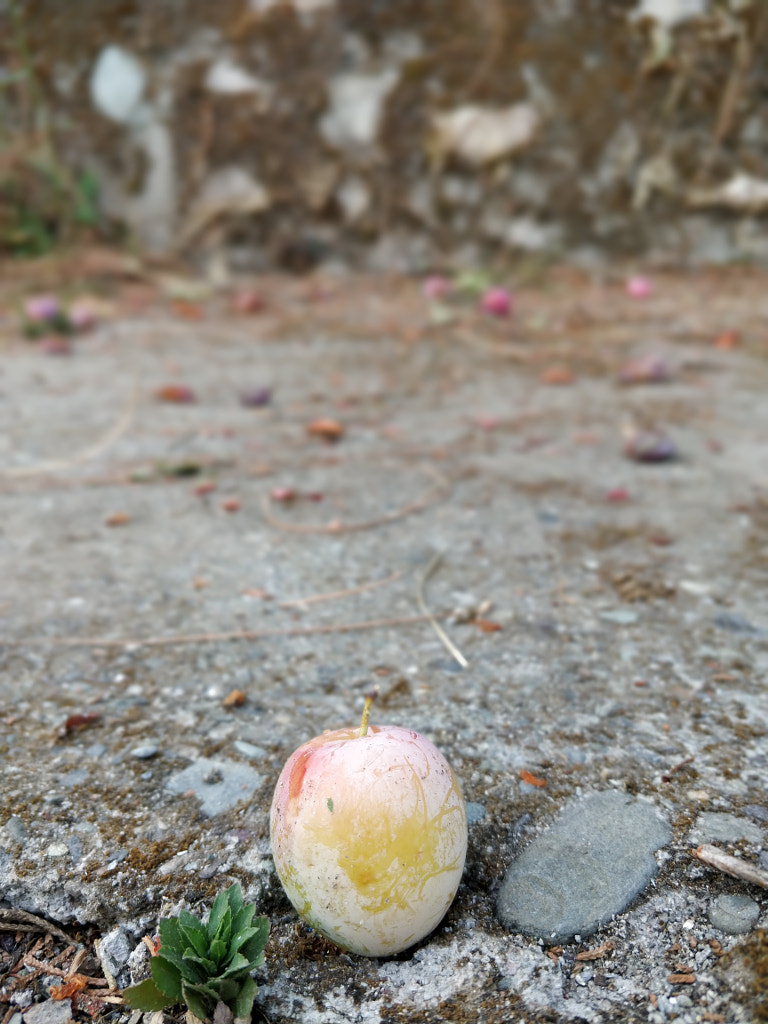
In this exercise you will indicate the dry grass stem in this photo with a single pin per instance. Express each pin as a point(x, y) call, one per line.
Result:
point(333, 595)
point(91, 452)
point(209, 638)
point(442, 635)
point(436, 493)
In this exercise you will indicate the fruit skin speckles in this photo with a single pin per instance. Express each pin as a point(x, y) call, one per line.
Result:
point(374, 867)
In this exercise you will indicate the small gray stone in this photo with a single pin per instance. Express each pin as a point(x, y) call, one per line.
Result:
point(114, 951)
point(732, 622)
point(249, 750)
point(734, 914)
point(52, 1011)
point(756, 811)
point(219, 785)
point(727, 828)
point(15, 828)
point(475, 812)
point(56, 850)
point(589, 865)
point(619, 616)
point(145, 752)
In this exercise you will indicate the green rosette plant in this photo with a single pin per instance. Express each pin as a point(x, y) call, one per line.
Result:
point(206, 963)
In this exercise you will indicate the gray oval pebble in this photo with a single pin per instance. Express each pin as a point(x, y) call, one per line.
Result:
point(589, 865)
point(734, 914)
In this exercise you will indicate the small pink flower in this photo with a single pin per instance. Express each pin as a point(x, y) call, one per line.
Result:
point(639, 287)
point(436, 287)
point(83, 315)
point(40, 308)
point(497, 302)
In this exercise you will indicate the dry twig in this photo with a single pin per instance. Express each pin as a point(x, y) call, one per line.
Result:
point(733, 866)
point(21, 921)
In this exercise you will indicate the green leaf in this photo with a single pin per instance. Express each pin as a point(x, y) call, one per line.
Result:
point(237, 965)
point(218, 952)
point(147, 996)
point(167, 977)
point(253, 948)
point(220, 905)
point(193, 930)
point(229, 989)
point(187, 968)
point(224, 929)
point(254, 937)
point(243, 918)
point(235, 897)
point(170, 936)
point(198, 1004)
point(240, 938)
point(205, 968)
point(243, 1004)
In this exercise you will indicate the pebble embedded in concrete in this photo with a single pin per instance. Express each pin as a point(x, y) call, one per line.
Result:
point(727, 828)
point(218, 784)
point(585, 868)
point(734, 913)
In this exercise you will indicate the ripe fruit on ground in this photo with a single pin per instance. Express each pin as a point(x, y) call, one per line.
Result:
point(369, 835)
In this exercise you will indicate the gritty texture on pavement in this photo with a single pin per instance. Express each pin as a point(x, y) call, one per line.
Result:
point(613, 615)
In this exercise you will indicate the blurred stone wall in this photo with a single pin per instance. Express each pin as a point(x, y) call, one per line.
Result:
point(407, 134)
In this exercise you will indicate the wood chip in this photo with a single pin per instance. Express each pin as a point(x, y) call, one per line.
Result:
point(681, 979)
point(598, 952)
point(234, 699)
point(734, 866)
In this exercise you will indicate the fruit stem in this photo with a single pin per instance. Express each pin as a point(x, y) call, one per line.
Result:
point(369, 699)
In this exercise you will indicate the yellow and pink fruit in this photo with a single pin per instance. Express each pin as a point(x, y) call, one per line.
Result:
point(369, 836)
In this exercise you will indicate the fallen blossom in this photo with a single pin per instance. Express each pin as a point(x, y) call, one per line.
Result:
point(497, 302)
point(487, 422)
point(178, 393)
point(727, 340)
point(557, 375)
point(84, 314)
point(648, 445)
point(639, 287)
point(284, 494)
point(617, 495)
point(436, 287)
point(327, 429)
point(204, 487)
point(231, 504)
point(248, 301)
point(256, 398)
point(117, 519)
point(77, 722)
point(40, 308)
point(645, 369)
